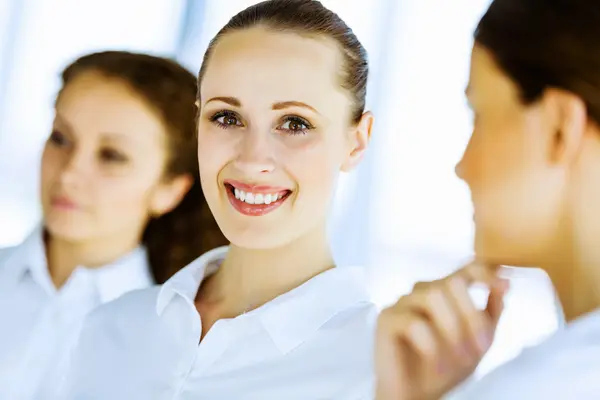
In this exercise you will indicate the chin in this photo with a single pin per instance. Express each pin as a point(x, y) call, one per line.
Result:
point(512, 253)
point(256, 239)
point(66, 229)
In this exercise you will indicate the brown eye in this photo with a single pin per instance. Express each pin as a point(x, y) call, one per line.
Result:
point(226, 119)
point(295, 125)
point(58, 139)
point(112, 155)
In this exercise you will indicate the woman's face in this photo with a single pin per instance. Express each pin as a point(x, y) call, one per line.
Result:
point(517, 188)
point(274, 132)
point(102, 165)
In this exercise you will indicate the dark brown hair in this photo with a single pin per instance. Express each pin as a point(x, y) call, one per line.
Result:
point(176, 238)
point(307, 18)
point(545, 44)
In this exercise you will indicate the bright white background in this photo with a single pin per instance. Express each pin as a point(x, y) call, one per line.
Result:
point(403, 213)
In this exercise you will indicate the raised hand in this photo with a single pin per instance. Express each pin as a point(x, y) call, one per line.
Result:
point(434, 338)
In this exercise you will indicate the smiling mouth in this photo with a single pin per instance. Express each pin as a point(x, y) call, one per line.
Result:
point(255, 203)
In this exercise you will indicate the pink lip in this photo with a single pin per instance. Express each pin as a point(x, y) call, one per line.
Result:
point(64, 203)
point(255, 210)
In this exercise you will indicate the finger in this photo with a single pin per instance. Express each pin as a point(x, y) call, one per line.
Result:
point(421, 339)
point(437, 306)
point(476, 324)
point(495, 304)
point(479, 272)
point(436, 301)
point(422, 286)
point(413, 331)
point(433, 301)
point(473, 272)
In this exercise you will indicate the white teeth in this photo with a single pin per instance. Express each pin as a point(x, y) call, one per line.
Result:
point(258, 198)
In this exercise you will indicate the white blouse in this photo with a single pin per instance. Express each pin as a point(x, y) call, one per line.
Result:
point(39, 324)
point(566, 366)
point(314, 342)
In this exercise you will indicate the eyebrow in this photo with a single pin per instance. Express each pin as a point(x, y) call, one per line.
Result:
point(116, 136)
point(232, 101)
point(281, 105)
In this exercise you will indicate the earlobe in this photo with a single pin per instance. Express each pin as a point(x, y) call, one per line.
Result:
point(360, 137)
point(168, 195)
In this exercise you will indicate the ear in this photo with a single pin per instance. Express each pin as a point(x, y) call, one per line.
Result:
point(167, 195)
point(570, 125)
point(359, 138)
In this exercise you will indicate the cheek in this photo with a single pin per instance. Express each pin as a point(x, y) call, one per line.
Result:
point(50, 166)
point(512, 204)
point(315, 167)
point(121, 192)
point(122, 203)
point(496, 156)
point(214, 153)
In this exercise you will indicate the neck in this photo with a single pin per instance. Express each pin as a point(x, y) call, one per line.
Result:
point(249, 278)
point(65, 255)
point(574, 263)
point(575, 274)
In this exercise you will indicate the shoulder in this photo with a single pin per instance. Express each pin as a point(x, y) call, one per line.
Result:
point(360, 317)
point(118, 324)
point(30, 248)
point(352, 332)
point(6, 253)
point(564, 366)
point(348, 338)
point(132, 307)
point(124, 335)
point(353, 316)
point(117, 329)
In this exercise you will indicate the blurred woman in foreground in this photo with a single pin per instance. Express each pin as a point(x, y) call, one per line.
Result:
point(533, 168)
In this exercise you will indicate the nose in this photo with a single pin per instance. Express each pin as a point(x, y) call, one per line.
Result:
point(73, 169)
point(459, 169)
point(255, 154)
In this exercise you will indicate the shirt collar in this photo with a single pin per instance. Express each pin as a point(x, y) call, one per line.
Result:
point(290, 318)
point(187, 281)
point(29, 257)
point(129, 272)
point(294, 316)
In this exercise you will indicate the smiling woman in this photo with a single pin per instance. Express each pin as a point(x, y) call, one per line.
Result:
point(281, 112)
point(288, 135)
